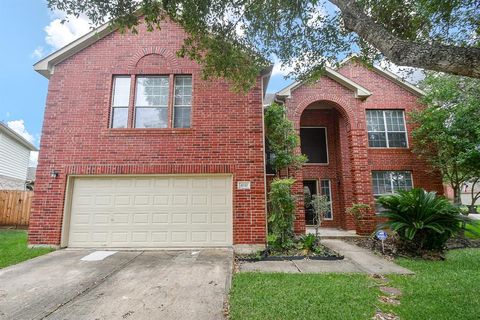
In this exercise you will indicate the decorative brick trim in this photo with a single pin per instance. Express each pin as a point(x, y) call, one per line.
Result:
point(172, 60)
point(149, 169)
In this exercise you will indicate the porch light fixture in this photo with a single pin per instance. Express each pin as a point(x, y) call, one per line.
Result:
point(54, 174)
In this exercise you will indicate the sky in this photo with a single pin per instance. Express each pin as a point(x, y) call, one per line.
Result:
point(29, 31)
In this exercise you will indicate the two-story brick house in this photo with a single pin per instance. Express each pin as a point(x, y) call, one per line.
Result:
point(353, 126)
point(139, 151)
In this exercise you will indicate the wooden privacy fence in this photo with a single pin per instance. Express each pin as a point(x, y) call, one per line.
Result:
point(15, 207)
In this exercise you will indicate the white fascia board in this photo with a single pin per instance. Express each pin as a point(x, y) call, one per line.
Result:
point(360, 92)
point(46, 66)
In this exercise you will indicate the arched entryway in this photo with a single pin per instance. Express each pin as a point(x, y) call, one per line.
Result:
point(324, 130)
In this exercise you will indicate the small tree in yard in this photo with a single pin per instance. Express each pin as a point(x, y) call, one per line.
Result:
point(321, 206)
point(447, 131)
point(283, 142)
point(282, 212)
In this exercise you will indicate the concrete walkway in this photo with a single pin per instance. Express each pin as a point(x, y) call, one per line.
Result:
point(357, 260)
point(125, 285)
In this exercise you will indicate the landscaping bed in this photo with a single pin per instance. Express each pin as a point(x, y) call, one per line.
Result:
point(392, 248)
point(320, 252)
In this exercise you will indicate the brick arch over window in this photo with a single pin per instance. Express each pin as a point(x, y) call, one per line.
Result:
point(154, 57)
point(341, 105)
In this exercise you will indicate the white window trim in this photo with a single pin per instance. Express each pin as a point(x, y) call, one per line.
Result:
point(391, 180)
point(386, 130)
point(329, 196)
point(112, 107)
point(134, 120)
point(173, 101)
point(326, 147)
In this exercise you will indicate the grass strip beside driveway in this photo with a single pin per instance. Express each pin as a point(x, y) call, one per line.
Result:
point(13, 248)
point(438, 290)
point(302, 296)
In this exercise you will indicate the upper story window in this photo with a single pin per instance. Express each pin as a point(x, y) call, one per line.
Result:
point(183, 101)
point(155, 105)
point(151, 102)
point(386, 129)
point(313, 141)
point(120, 102)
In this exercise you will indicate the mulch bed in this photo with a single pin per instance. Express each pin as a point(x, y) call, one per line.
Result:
point(293, 254)
point(392, 249)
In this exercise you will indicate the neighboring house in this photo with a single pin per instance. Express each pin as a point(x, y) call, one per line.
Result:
point(14, 158)
point(139, 151)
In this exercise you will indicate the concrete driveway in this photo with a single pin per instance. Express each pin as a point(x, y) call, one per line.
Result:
point(125, 285)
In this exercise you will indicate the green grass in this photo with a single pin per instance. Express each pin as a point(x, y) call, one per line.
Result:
point(439, 290)
point(475, 228)
point(13, 248)
point(301, 296)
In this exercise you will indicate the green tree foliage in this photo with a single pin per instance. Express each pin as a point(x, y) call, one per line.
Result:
point(321, 206)
point(441, 35)
point(447, 132)
point(282, 213)
point(421, 219)
point(282, 139)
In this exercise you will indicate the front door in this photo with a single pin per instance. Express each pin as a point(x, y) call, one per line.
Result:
point(309, 189)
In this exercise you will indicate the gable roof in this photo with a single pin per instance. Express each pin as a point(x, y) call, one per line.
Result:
point(360, 92)
point(15, 136)
point(390, 76)
point(46, 66)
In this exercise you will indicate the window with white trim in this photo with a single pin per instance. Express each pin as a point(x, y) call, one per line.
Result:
point(120, 101)
point(151, 102)
point(389, 182)
point(154, 103)
point(386, 129)
point(183, 102)
point(326, 190)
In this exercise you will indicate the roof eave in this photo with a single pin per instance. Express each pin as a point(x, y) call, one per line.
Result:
point(359, 91)
point(21, 140)
point(46, 66)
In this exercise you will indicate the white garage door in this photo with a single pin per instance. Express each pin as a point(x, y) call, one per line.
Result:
point(157, 211)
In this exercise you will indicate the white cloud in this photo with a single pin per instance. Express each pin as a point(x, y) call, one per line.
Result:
point(19, 127)
point(60, 34)
point(37, 53)
point(280, 69)
point(412, 75)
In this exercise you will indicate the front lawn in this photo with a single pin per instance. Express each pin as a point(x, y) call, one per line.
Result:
point(301, 296)
point(13, 248)
point(473, 230)
point(439, 290)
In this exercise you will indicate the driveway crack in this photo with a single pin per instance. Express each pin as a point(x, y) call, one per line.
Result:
point(92, 286)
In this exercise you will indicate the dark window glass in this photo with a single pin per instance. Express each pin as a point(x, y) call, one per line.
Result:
point(314, 144)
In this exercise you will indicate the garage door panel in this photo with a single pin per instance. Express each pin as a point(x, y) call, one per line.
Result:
point(151, 212)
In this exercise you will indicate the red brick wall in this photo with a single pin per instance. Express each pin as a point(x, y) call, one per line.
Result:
point(351, 160)
point(226, 134)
